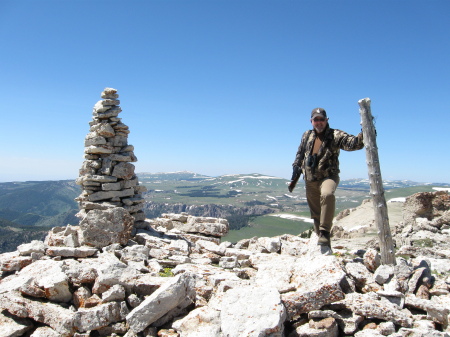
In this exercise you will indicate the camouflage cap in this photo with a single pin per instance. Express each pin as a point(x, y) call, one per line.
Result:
point(318, 112)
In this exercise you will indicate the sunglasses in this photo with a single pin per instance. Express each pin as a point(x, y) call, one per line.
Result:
point(319, 119)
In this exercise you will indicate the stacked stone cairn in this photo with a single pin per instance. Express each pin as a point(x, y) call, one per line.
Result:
point(107, 176)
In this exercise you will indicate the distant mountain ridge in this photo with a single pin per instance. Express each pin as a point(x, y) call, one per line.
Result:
point(181, 175)
point(187, 175)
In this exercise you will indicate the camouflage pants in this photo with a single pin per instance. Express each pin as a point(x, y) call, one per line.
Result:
point(322, 202)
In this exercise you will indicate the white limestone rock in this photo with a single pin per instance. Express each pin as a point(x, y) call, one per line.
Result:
point(47, 275)
point(383, 273)
point(53, 315)
point(111, 272)
point(252, 311)
point(203, 225)
point(78, 252)
point(264, 245)
point(347, 321)
point(123, 171)
point(277, 272)
point(372, 259)
point(436, 311)
point(200, 322)
point(93, 139)
point(369, 306)
point(105, 195)
point(109, 93)
point(166, 298)
point(34, 246)
point(11, 327)
point(368, 333)
point(99, 149)
point(317, 281)
point(228, 262)
point(211, 247)
point(45, 331)
point(86, 319)
point(364, 279)
point(115, 293)
point(13, 261)
point(101, 228)
point(321, 328)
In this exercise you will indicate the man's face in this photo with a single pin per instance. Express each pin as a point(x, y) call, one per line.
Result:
point(319, 123)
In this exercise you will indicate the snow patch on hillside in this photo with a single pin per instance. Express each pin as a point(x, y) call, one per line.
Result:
point(292, 217)
point(397, 199)
point(442, 189)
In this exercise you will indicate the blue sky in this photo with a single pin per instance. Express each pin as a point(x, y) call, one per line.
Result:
point(222, 86)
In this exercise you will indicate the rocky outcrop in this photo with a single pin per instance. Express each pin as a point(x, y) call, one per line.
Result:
point(425, 228)
point(107, 176)
point(154, 210)
point(174, 277)
point(429, 205)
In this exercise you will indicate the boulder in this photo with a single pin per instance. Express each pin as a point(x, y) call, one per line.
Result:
point(46, 276)
point(166, 298)
point(200, 322)
point(370, 306)
point(317, 283)
point(14, 261)
point(207, 226)
point(57, 317)
point(34, 246)
point(101, 228)
point(13, 326)
point(86, 319)
point(252, 311)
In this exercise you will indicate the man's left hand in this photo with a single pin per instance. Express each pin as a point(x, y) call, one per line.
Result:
point(292, 185)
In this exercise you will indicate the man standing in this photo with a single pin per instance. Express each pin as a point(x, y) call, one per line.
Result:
point(318, 159)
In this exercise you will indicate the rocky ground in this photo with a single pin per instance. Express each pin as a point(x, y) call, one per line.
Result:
point(174, 277)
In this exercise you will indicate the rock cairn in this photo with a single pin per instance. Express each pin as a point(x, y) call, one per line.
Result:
point(175, 278)
point(107, 177)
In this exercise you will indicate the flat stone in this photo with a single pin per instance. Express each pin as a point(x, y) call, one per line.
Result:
point(245, 312)
point(53, 315)
point(86, 319)
point(105, 195)
point(118, 157)
point(34, 246)
point(112, 186)
point(166, 298)
point(13, 262)
point(78, 252)
point(98, 149)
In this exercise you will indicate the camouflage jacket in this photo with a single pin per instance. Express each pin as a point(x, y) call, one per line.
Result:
point(326, 163)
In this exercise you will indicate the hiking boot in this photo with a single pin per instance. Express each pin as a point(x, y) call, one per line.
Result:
point(324, 239)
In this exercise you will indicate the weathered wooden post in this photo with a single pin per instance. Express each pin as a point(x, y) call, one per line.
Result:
point(376, 183)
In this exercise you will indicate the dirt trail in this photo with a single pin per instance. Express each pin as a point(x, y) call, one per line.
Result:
point(361, 221)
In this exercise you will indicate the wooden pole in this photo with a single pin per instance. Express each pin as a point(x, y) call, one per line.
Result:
point(376, 184)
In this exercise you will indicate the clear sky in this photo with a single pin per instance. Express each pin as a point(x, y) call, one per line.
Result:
point(224, 86)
